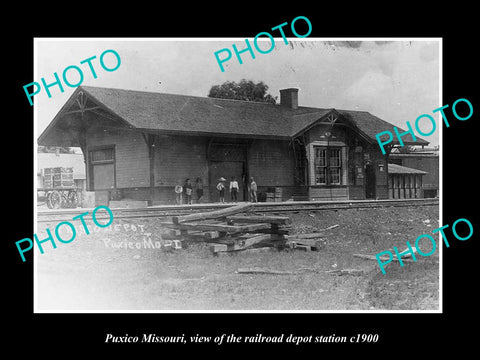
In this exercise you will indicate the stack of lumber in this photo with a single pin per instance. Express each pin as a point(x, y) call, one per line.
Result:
point(232, 229)
point(228, 231)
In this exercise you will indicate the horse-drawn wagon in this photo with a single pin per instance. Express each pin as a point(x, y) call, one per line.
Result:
point(59, 188)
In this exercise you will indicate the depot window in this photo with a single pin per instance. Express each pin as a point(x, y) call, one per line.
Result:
point(328, 165)
point(102, 155)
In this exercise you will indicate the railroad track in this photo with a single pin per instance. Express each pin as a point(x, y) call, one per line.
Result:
point(272, 207)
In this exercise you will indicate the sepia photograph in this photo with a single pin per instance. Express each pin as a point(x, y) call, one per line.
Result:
point(268, 174)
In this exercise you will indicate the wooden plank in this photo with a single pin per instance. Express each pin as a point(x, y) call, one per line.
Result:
point(309, 242)
point(215, 248)
point(276, 241)
point(241, 244)
point(212, 214)
point(270, 231)
point(190, 234)
point(259, 270)
point(209, 235)
point(303, 247)
point(273, 237)
point(331, 227)
point(224, 241)
point(371, 257)
point(172, 225)
point(354, 272)
point(256, 240)
point(258, 250)
point(301, 243)
point(281, 220)
point(305, 236)
point(263, 271)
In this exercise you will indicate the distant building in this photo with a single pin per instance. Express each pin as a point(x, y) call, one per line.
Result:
point(139, 145)
point(426, 159)
point(404, 182)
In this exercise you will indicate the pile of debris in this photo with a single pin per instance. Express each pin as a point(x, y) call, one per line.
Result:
point(228, 230)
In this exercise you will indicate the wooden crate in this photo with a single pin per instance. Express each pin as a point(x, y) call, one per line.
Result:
point(58, 177)
point(270, 197)
point(278, 194)
point(57, 170)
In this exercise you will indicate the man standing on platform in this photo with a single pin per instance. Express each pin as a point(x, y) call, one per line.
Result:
point(234, 189)
point(252, 190)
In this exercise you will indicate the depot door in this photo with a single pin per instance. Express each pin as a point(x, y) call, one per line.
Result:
point(227, 170)
point(102, 168)
point(370, 183)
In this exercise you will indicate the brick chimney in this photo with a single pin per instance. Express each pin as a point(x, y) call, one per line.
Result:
point(289, 98)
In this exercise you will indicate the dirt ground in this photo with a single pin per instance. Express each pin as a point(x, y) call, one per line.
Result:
point(127, 266)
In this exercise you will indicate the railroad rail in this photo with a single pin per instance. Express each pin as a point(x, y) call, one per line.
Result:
point(261, 207)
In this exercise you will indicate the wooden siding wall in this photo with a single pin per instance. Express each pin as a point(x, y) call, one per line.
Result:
point(176, 159)
point(271, 163)
point(381, 177)
point(131, 154)
point(180, 157)
point(328, 193)
point(356, 192)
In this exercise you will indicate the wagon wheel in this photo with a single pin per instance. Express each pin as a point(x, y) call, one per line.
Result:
point(54, 200)
point(72, 198)
point(47, 201)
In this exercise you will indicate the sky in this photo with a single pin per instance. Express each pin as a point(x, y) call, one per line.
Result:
point(394, 79)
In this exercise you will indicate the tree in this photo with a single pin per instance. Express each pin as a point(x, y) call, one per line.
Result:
point(244, 90)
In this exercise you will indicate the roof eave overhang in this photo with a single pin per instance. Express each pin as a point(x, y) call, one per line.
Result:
point(213, 134)
point(419, 142)
point(350, 124)
point(46, 137)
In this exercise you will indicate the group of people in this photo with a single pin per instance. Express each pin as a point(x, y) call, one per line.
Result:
point(234, 189)
point(187, 190)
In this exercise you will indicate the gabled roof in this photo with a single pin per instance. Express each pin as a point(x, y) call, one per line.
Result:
point(172, 113)
point(184, 113)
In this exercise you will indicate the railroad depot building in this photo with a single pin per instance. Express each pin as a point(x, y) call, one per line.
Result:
point(139, 145)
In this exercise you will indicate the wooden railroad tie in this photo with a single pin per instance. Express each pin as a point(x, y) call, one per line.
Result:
point(232, 230)
point(212, 214)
